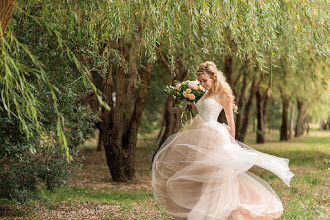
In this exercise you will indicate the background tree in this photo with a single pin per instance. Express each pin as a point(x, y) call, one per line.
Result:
point(172, 115)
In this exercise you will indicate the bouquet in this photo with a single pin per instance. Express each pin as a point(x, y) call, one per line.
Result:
point(187, 90)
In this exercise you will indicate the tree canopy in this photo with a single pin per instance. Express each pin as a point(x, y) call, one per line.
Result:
point(266, 43)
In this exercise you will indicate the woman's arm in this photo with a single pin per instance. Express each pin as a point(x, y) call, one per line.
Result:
point(229, 116)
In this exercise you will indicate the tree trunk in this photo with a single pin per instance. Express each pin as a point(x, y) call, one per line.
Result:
point(172, 114)
point(240, 102)
point(118, 159)
point(260, 125)
point(285, 119)
point(120, 141)
point(325, 124)
point(228, 71)
point(100, 141)
point(262, 107)
point(229, 59)
point(126, 99)
point(299, 130)
point(131, 80)
point(6, 11)
point(246, 113)
point(291, 121)
point(171, 120)
point(229, 74)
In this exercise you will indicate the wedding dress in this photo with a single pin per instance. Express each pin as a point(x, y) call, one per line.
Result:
point(201, 173)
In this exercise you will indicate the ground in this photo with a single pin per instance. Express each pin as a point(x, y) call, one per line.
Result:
point(93, 195)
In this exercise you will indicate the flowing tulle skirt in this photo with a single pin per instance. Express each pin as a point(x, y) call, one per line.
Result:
point(201, 172)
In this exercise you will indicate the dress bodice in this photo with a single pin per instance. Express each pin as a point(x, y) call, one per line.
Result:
point(209, 109)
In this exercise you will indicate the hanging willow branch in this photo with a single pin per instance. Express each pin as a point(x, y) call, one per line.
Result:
point(16, 88)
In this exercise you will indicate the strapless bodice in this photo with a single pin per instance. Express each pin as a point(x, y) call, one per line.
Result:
point(209, 109)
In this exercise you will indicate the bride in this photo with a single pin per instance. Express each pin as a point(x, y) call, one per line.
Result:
point(202, 172)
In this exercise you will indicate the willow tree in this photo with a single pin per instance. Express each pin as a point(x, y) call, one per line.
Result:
point(22, 72)
point(216, 30)
point(40, 108)
point(246, 39)
point(131, 36)
point(127, 37)
point(301, 64)
point(123, 40)
point(302, 94)
point(291, 30)
point(240, 34)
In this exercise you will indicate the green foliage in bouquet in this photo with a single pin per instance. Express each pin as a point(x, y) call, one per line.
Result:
point(189, 91)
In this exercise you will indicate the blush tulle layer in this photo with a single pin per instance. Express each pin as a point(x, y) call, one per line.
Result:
point(201, 172)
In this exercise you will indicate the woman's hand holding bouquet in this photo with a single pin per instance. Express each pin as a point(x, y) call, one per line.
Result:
point(189, 91)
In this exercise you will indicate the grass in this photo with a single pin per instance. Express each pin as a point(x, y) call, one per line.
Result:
point(308, 197)
point(92, 195)
point(84, 194)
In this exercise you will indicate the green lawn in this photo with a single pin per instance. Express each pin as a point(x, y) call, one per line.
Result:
point(92, 195)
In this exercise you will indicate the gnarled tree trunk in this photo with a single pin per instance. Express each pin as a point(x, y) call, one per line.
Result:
point(126, 94)
point(121, 129)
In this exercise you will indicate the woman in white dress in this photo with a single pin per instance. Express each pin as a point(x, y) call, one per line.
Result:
point(201, 172)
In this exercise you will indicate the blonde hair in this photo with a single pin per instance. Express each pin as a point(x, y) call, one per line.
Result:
point(221, 85)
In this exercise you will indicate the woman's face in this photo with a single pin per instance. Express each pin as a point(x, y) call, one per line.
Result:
point(205, 81)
